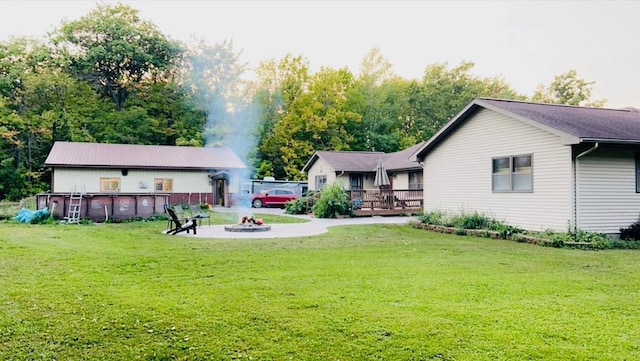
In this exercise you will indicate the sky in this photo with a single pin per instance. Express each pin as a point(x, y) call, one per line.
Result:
point(526, 43)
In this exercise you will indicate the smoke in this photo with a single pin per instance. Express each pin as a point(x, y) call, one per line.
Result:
point(215, 80)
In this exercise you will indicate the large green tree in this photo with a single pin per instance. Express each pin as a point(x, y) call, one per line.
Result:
point(317, 120)
point(115, 50)
point(567, 89)
point(14, 183)
point(279, 85)
point(377, 95)
point(443, 92)
point(41, 104)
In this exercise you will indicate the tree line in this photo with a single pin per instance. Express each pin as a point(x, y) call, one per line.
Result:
point(112, 77)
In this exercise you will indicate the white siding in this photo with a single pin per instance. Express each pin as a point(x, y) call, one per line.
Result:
point(64, 180)
point(458, 174)
point(320, 167)
point(368, 180)
point(401, 180)
point(341, 179)
point(606, 190)
point(344, 179)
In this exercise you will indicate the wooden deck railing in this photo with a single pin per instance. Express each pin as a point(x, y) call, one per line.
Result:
point(387, 199)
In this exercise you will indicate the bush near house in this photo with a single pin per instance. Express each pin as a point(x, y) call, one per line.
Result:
point(332, 203)
point(631, 233)
point(302, 205)
point(483, 226)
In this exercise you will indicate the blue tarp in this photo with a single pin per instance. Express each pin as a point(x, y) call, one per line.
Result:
point(26, 215)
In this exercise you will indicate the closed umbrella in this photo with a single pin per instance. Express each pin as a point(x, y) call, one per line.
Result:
point(382, 179)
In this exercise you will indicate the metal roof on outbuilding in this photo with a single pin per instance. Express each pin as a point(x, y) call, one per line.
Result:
point(101, 155)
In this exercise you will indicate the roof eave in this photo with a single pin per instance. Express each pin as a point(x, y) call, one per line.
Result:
point(102, 166)
point(563, 135)
point(610, 141)
point(419, 154)
point(468, 111)
point(310, 162)
point(404, 169)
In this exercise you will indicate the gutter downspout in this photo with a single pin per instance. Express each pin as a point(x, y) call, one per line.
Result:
point(575, 184)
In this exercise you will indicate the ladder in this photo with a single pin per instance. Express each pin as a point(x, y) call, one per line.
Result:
point(75, 205)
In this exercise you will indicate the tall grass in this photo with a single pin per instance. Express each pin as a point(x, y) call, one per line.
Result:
point(128, 292)
point(9, 210)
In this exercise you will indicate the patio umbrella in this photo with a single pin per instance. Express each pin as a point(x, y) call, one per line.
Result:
point(382, 179)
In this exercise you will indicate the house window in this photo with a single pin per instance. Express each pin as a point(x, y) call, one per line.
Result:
point(356, 181)
point(110, 184)
point(415, 180)
point(163, 184)
point(321, 180)
point(512, 174)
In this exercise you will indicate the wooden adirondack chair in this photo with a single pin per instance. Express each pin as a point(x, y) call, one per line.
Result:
point(189, 224)
point(198, 213)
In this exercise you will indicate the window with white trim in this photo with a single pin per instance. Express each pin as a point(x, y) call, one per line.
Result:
point(163, 184)
point(512, 174)
point(320, 181)
point(109, 184)
point(415, 180)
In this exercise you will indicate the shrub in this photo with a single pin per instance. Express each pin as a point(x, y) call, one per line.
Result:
point(473, 221)
point(579, 239)
point(333, 202)
point(631, 233)
point(302, 205)
point(296, 206)
point(436, 218)
point(504, 230)
point(469, 221)
point(629, 237)
point(625, 244)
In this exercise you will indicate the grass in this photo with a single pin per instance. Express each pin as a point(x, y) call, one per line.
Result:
point(127, 292)
point(231, 218)
point(9, 210)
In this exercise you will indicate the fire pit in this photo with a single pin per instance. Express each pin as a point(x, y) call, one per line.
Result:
point(248, 224)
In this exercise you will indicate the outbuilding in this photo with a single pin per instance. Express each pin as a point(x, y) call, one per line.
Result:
point(127, 180)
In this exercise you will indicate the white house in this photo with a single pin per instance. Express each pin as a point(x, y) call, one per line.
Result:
point(356, 170)
point(126, 172)
point(537, 166)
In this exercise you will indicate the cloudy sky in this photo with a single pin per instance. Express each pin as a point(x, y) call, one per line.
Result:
point(526, 43)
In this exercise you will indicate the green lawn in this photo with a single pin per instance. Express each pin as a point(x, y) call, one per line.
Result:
point(128, 292)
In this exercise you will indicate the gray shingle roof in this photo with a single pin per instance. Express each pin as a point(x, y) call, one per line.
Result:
point(575, 124)
point(352, 161)
point(581, 122)
point(348, 161)
point(72, 154)
point(401, 160)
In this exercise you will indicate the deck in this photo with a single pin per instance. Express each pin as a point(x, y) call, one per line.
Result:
point(386, 202)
